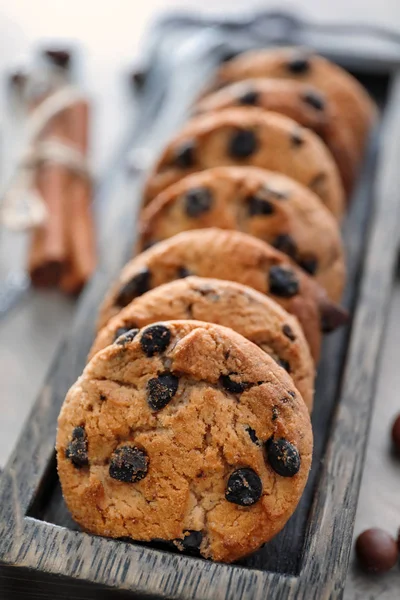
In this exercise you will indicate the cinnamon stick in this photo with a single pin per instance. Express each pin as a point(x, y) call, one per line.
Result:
point(80, 227)
point(48, 248)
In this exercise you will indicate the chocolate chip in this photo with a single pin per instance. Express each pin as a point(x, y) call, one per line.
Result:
point(191, 542)
point(308, 264)
point(283, 282)
point(252, 434)
point(296, 137)
point(155, 339)
point(298, 64)
point(288, 331)
point(284, 364)
point(77, 449)
point(275, 413)
point(129, 464)
point(244, 487)
point(314, 99)
point(184, 272)
point(235, 387)
point(124, 335)
point(136, 286)
point(197, 201)
point(283, 457)
point(161, 390)
point(293, 394)
point(259, 206)
point(184, 156)
point(249, 98)
point(103, 398)
point(285, 243)
point(376, 550)
point(242, 144)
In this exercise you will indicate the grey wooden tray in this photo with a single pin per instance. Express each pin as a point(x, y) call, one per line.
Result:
point(43, 554)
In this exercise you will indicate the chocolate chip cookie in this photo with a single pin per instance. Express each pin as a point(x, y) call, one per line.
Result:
point(355, 109)
point(250, 137)
point(184, 432)
point(263, 203)
point(253, 315)
point(233, 256)
point(303, 103)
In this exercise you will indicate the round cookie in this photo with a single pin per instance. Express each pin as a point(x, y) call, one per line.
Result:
point(299, 101)
point(264, 204)
point(253, 315)
point(185, 432)
point(356, 111)
point(232, 256)
point(250, 137)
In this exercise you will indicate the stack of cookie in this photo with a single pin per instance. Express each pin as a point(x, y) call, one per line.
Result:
point(190, 424)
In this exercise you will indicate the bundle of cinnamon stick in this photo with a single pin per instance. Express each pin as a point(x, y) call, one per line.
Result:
point(62, 251)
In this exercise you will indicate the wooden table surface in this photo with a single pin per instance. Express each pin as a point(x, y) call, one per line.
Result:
point(111, 32)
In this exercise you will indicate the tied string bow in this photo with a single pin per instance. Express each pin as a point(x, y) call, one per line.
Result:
point(23, 207)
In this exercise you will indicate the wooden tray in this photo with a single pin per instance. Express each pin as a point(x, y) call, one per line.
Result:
point(43, 554)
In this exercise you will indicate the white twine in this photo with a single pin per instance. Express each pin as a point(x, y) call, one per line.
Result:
point(23, 206)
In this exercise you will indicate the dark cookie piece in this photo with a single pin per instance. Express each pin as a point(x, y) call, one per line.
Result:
point(249, 98)
point(242, 144)
point(333, 317)
point(185, 155)
point(283, 457)
point(244, 487)
point(288, 331)
point(259, 206)
point(138, 285)
point(314, 99)
point(124, 335)
point(253, 435)
point(155, 339)
point(77, 449)
point(161, 390)
point(285, 243)
point(198, 201)
point(235, 387)
point(283, 282)
point(309, 264)
point(298, 64)
point(129, 464)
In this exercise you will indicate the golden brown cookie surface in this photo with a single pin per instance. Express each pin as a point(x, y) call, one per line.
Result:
point(253, 315)
point(233, 256)
point(300, 101)
point(265, 204)
point(356, 111)
point(250, 137)
point(188, 433)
